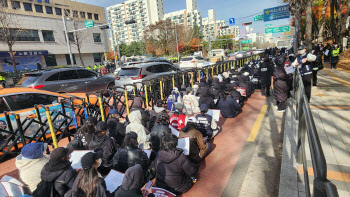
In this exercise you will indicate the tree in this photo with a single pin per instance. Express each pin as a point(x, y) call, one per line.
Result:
point(308, 38)
point(323, 21)
point(10, 29)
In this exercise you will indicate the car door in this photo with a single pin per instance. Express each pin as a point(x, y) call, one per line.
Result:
point(71, 82)
point(91, 80)
point(168, 69)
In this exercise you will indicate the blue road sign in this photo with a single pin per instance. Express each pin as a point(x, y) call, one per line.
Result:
point(276, 13)
point(232, 21)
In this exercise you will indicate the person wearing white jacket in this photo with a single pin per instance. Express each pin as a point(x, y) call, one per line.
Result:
point(191, 102)
point(30, 163)
point(136, 126)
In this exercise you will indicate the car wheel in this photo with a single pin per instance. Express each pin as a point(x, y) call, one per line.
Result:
point(110, 86)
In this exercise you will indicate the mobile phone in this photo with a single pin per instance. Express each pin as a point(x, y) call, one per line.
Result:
point(149, 184)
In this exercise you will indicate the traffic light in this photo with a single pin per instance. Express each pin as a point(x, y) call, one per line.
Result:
point(104, 27)
point(246, 24)
point(224, 27)
point(132, 21)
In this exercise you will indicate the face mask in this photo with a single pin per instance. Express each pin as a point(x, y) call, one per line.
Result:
point(302, 52)
point(100, 162)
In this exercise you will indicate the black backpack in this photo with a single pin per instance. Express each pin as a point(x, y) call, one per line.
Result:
point(46, 189)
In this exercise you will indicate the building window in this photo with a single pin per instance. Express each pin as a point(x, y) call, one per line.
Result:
point(97, 37)
point(66, 12)
point(3, 3)
point(75, 13)
point(38, 8)
point(68, 59)
point(50, 60)
point(96, 17)
point(58, 11)
point(71, 36)
point(28, 7)
point(82, 14)
point(24, 35)
point(89, 15)
point(48, 10)
point(97, 57)
point(16, 5)
point(48, 35)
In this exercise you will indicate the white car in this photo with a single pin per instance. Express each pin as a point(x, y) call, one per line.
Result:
point(124, 65)
point(192, 62)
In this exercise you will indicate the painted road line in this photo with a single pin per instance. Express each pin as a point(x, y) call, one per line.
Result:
point(256, 127)
point(338, 176)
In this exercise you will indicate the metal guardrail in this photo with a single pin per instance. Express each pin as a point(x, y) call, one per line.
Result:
point(322, 187)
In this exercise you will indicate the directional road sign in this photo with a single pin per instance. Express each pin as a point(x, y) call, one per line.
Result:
point(277, 29)
point(89, 23)
point(232, 21)
point(276, 13)
point(268, 25)
point(246, 41)
point(259, 17)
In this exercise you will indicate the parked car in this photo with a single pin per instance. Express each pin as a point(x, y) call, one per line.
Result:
point(142, 72)
point(125, 64)
point(240, 55)
point(191, 62)
point(64, 80)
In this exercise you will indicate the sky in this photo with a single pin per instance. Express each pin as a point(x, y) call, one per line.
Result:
point(225, 9)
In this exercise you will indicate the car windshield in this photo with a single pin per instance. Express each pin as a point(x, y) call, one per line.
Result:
point(128, 72)
point(29, 78)
point(187, 59)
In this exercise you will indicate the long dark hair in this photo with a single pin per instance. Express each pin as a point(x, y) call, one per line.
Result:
point(130, 140)
point(87, 182)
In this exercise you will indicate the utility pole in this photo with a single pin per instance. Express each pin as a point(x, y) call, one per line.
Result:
point(177, 45)
point(67, 40)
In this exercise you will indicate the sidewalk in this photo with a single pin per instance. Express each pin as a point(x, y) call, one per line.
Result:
point(331, 111)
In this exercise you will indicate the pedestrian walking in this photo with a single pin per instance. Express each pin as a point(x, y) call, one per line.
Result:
point(335, 56)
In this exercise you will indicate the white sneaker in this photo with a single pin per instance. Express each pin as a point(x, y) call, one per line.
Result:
point(281, 110)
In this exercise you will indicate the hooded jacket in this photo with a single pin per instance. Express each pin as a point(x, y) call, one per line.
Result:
point(197, 147)
point(127, 157)
point(101, 189)
point(191, 104)
point(229, 108)
point(158, 132)
point(62, 173)
point(29, 170)
point(132, 183)
point(174, 170)
point(137, 127)
point(104, 146)
point(137, 106)
point(116, 130)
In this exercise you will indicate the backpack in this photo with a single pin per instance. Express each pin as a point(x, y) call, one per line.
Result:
point(46, 189)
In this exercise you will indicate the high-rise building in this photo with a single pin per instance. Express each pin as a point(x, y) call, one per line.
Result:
point(42, 39)
point(211, 15)
point(183, 17)
point(144, 12)
point(191, 5)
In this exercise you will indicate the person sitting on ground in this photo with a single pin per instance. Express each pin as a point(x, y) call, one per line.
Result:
point(173, 98)
point(130, 155)
point(160, 129)
point(237, 96)
point(191, 102)
point(105, 146)
point(84, 135)
point(206, 123)
point(183, 90)
point(59, 171)
point(198, 149)
point(202, 86)
point(136, 126)
point(178, 119)
point(30, 163)
point(158, 109)
point(216, 91)
point(116, 129)
point(174, 169)
point(132, 183)
point(206, 98)
point(145, 115)
point(195, 88)
point(229, 108)
point(88, 182)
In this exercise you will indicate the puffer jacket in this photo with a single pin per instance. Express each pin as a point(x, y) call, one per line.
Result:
point(29, 170)
point(62, 173)
point(137, 127)
point(174, 170)
point(127, 157)
point(191, 104)
point(158, 132)
point(106, 147)
point(101, 189)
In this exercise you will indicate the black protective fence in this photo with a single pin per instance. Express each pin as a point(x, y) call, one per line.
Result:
point(51, 125)
point(322, 187)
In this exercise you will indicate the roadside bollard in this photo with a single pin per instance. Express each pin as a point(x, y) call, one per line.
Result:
point(126, 101)
point(192, 79)
point(101, 107)
point(146, 95)
point(183, 79)
point(161, 89)
point(85, 109)
point(52, 129)
point(173, 82)
point(199, 76)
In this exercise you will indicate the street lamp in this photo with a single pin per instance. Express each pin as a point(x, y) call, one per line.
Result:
point(67, 40)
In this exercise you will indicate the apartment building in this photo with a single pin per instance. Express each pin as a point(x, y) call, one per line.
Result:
point(144, 12)
point(187, 17)
point(42, 38)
